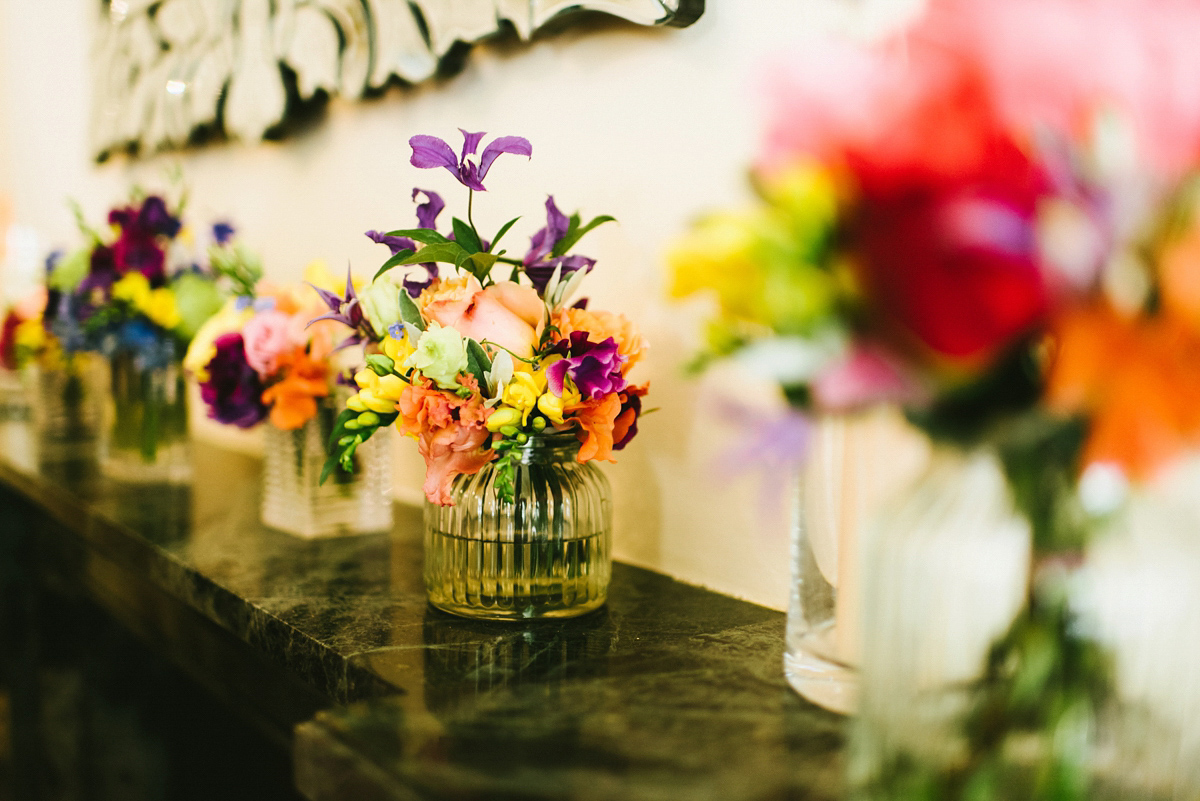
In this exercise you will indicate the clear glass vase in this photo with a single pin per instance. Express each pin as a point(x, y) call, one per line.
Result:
point(855, 462)
point(65, 407)
point(145, 437)
point(546, 553)
point(945, 573)
point(1102, 643)
point(294, 500)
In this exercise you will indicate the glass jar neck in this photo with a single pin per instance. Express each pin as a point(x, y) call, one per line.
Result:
point(548, 448)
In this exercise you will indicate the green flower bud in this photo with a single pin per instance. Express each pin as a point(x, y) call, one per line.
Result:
point(368, 419)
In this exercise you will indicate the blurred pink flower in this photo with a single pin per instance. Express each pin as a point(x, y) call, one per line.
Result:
point(267, 335)
point(863, 377)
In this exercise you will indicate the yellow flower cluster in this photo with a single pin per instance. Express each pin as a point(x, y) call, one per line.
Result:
point(769, 267)
point(528, 391)
point(157, 304)
point(378, 394)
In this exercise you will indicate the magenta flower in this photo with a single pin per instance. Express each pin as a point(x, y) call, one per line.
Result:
point(594, 368)
point(138, 246)
point(233, 392)
point(430, 152)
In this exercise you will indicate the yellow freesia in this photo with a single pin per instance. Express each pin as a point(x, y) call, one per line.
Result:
point(554, 406)
point(374, 403)
point(390, 387)
point(160, 307)
point(366, 379)
point(523, 391)
point(398, 350)
point(503, 417)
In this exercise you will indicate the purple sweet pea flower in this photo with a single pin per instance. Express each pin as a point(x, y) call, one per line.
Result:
point(233, 392)
point(594, 368)
point(430, 152)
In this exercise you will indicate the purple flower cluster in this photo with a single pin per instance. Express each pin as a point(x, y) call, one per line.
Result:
point(539, 265)
point(233, 391)
point(594, 368)
point(138, 246)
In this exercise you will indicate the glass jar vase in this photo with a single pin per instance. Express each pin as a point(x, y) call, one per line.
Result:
point(294, 500)
point(544, 553)
point(65, 407)
point(145, 437)
point(854, 463)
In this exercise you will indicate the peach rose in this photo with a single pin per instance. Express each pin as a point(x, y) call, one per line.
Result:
point(507, 314)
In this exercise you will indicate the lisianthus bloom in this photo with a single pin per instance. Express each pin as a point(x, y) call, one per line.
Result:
point(293, 400)
point(441, 355)
point(232, 391)
point(451, 433)
point(594, 367)
point(430, 152)
point(506, 314)
point(267, 336)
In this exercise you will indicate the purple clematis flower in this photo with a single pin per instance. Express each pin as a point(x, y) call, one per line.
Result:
point(430, 152)
point(347, 311)
point(233, 392)
point(594, 368)
point(538, 266)
point(427, 214)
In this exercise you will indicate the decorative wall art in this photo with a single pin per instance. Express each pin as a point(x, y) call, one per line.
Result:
point(173, 72)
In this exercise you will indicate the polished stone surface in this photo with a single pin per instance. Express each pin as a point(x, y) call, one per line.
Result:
point(669, 692)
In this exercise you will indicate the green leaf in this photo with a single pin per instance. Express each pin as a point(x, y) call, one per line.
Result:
point(478, 363)
point(575, 233)
point(396, 259)
point(483, 262)
point(448, 253)
point(500, 234)
point(426, 236)
point(409, 312)
point(465, 235)
point(380, 364)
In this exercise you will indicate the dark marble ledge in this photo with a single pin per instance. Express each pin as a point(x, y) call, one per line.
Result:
point(670, 691)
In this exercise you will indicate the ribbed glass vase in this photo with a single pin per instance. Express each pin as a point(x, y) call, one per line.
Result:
point(547, 552)
point(295, 501)
point(146, 435)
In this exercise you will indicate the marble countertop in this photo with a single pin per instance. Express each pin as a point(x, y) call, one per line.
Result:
point(669, 692)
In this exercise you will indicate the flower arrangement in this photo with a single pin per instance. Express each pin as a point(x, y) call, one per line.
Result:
point(258, 358)
point(997, 231)
point(470, 364)
point(136, 286)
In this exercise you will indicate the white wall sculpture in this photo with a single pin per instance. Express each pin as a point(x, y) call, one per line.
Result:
point(170, 70)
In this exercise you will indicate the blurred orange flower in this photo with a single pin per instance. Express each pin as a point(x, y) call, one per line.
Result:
point(293, 400)
point(1138, 379)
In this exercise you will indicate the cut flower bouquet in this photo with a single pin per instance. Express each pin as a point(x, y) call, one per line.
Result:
point(474, 351)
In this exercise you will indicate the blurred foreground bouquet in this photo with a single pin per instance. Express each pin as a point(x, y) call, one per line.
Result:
point(504, 379)
point(996, 229)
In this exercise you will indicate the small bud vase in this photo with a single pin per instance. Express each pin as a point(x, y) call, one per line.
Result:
point(145, 438)
point(294, 500)
point(546, 552)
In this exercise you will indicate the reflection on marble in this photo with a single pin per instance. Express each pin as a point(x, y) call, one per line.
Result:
point(669, 691)
point(169, 71)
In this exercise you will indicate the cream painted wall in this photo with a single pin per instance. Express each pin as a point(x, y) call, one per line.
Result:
point(652, 126)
